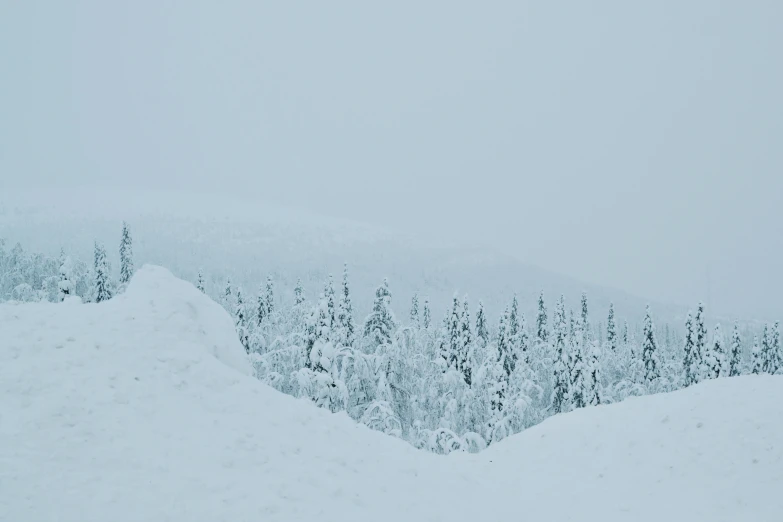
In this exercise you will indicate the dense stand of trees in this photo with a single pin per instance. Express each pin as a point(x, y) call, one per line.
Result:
point(457, 385)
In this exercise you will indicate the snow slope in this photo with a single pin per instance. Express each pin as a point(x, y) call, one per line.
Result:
point(141, 408)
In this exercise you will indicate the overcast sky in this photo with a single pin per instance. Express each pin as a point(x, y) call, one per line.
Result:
point(631, 144)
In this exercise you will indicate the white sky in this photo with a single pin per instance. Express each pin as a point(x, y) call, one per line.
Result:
point(632, 144)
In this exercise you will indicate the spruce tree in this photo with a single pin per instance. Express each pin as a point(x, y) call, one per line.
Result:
point(102, 274)
point(578, 391)
point(766, 351)
point(561, 379)
point(345, 312)
point(66, 283)
point(415, 311)
point(777, 354)
point(262, 309)
point(541, 320)
point(700, 346)
point(200, 282)
point(464, 357)
point(736, 351)
point(594, 367)
point(482, 332)
point(240, 321)
point(126, 255)
point(650, 350)
point(331, 301)
point(714, 358)
point(450, 346)
point(758, 357)
point(380, 325)
point(426, 317)
point(227, 295)
point(299, 297)
point(505, 342)
point(270, 296)
point(625, 332)
point(586, 330)
point(690, 364)
point(611, 329)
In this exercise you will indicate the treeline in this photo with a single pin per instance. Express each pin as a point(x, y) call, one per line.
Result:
point(458, 384)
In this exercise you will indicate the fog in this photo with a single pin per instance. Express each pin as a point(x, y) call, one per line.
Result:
point(632, 145)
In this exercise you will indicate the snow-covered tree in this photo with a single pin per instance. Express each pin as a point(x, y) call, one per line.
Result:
point(103, 286)
point(414, 316)
point(270, 296)
point(380, 325)
point(700, 346)
point(200, 281)
point(345, 312)
point(66, 283)
point(228, 300)
point(691, 364)
point(736, 352)
point(578, 390)
point(465, 354)
point(757, 357)
point(299, 297)
point(426, 317)
point(715, 355)
point(482, 332)
point(561, 384)
point(650, 356)
point(593, 394)
point(586, 331)
point(776, 352)
point(240, 321)
point(611, 329)
point(541, 320)
point(767, 356)
point(262, 309)
point(126, 255)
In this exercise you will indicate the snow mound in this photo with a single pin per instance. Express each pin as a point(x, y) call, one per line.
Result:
point(143, 408)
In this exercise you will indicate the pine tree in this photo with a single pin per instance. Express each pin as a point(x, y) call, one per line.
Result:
point(240, 321)
point(426, 318)
point(736, 351)
point(415, 311)
point(200, 282)
point(700, 347)
point(450, 344)
point(380, 325)
point(102, 274)
point(561, 379)
point(758, 357)
point(504, 341)
point(541, 319)
point(482, 332)
point(650, 350)
point(270, 296)
point(126, 255)
point(690, 364)
point(611, 329)
point(299, 297)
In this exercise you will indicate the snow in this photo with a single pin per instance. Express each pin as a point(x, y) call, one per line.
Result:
point(143, 408)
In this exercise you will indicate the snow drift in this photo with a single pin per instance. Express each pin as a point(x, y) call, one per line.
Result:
point(143, 408)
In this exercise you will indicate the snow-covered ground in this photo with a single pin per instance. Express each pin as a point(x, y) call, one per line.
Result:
point(142, 408)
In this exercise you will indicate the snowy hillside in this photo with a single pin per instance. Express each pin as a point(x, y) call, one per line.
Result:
point(141, 408)
point(247, 242)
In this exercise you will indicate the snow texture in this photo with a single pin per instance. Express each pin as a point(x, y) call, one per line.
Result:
point(144, 408)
